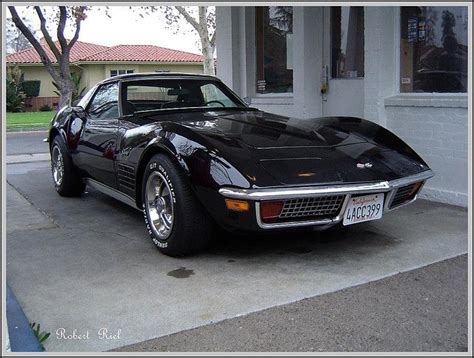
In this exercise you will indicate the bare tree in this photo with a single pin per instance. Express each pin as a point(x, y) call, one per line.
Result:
point(65, 16)
point(15, 40)
point(203, 21)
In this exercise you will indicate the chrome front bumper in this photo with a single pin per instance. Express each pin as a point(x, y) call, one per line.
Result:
point(261, 194)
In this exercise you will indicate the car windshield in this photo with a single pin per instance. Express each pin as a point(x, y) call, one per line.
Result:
point(156, 94)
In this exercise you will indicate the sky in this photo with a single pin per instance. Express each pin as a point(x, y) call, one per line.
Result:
point(127, 27)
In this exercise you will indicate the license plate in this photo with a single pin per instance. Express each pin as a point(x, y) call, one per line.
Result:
point(363, 208)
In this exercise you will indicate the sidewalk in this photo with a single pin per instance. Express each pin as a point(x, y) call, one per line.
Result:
point(26, 130)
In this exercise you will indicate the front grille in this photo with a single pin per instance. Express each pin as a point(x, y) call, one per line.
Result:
point(312, 208)
point(403, 194)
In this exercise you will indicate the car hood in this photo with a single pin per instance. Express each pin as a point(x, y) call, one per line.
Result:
point(273, 150)
point(259, 130)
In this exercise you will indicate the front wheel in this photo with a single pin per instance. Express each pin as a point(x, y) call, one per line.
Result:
point(176, 222)
point(66, 179)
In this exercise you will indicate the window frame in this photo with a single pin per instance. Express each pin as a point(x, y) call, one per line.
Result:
point(253, 92)
point(328, 28)
point(127, 71)
point(119, 104)
point(397, 80)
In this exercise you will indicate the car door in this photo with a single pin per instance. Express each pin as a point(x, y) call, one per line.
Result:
point(98, 144)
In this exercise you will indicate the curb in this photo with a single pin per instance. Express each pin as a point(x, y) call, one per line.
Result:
point(22, 338)
point(28, 158)
point(31, 130)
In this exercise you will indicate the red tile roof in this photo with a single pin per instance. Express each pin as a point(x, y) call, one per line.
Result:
point(78, 51)
point(87, 52)
point(142, 53)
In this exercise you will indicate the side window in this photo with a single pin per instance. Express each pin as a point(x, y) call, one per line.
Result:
point(104, 105)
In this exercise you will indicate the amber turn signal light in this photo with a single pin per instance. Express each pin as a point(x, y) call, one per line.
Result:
point(237, 205)
point(270, 210)
point(415, 189)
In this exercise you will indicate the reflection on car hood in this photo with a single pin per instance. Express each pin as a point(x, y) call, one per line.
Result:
point(297, 151)
point(260, 130)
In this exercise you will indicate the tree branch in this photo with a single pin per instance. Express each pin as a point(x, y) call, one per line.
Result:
point(212, 41)
point(202, 10)
point(34, 42)
point(188, 17)
point(79, 17)
point(46, 35)
point(61, 27)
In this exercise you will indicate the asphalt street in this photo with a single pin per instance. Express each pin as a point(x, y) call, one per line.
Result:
point(86, 264)
point(26, 142)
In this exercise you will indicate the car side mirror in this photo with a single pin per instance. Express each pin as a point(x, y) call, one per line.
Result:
point(81, 112)
point(248, 101)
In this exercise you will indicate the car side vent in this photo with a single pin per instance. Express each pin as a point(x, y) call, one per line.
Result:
point(126, 177)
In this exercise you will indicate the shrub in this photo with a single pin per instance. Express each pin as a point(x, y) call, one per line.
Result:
point(15, 97)
point(45, 108)
point(31, 88)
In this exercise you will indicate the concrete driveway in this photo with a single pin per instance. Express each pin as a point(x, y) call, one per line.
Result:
point(80, 265)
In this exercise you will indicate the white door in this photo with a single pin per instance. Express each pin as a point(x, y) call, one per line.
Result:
point(342, 75)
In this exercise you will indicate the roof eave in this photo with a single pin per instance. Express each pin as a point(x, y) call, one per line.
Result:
point(139, 62)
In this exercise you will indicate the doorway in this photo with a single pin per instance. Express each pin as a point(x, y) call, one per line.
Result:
point(342, 76)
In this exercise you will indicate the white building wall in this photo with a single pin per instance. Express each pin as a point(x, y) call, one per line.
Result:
point(236, 60)
point(435, 125)
point(380, 61)
point(438, 131)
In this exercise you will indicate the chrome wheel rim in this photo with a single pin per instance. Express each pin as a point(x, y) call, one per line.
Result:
point(57, 165)
point(159, 205)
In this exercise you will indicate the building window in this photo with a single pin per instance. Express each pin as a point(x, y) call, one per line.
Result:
point(433, 49)
point(120, 72)
point(347, 42)
point(274, 38)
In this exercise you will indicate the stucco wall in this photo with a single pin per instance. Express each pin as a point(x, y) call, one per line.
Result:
point(39, 73)
point(185, 68)
point(93, 73)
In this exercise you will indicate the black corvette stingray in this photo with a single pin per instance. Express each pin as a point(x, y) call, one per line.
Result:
point(189, 152)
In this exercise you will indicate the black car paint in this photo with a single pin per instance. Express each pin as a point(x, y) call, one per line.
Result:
point(237, 147)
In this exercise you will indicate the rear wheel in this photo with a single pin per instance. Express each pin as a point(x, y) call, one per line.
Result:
point(66, 179)
point(175, 220)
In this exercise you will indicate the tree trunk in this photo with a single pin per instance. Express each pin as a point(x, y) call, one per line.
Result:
point(62, 75)
point(65, 93)
point(208, 57)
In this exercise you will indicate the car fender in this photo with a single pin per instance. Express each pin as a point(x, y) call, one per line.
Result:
point(60, 125)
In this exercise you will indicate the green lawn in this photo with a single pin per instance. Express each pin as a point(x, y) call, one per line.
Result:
point(29, 119)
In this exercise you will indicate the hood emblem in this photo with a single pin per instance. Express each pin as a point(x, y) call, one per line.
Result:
point(364, 165)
